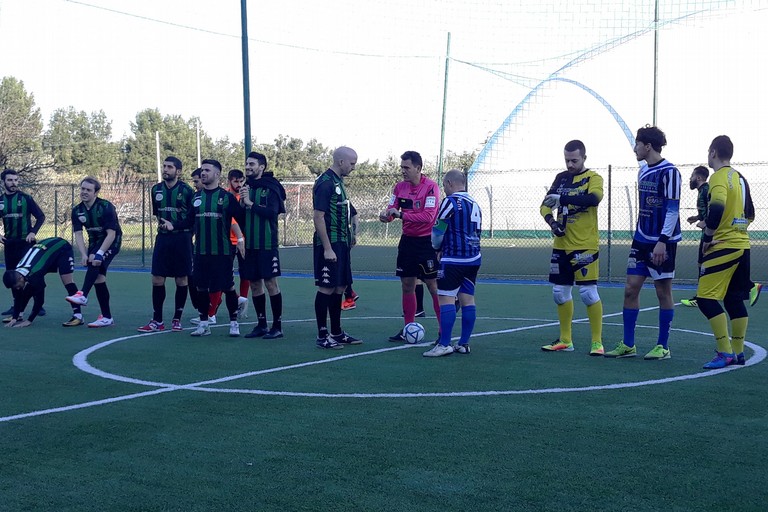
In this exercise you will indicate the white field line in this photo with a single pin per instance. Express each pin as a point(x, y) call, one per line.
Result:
point(80, 360)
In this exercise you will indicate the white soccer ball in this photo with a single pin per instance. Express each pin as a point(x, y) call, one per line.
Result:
point(413, 333)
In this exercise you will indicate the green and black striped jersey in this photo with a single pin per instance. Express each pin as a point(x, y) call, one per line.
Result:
point(42, 258)
point(17, 210)
point(174, 205)
point(96, 220)
point(214, 211)
point(260, 226)
point(330, 196)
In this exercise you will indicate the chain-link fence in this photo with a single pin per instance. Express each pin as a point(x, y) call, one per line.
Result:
point(516, 240)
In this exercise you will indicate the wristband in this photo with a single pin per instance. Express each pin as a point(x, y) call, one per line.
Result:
point(99, 253)
point(663, 239)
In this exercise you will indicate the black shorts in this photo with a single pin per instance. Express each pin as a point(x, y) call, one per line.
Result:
point(333, 274)
point(213, 273)
point(454, 279)
point(106, 260)
point(260, 264)
point(172, 256)
point(581, 267)
point(640, 263)
point(14, 250)
point(65, 261)
point(416, 258)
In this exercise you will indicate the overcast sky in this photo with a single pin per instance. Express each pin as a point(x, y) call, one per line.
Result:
point(370, 74)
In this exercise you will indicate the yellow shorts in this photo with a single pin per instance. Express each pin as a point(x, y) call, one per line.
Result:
point(725, 272)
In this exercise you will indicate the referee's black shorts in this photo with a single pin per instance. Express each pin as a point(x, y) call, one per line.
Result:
point(416, 258)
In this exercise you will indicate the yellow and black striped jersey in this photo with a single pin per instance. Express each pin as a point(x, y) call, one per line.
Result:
point(579, 196)
point(730, 190)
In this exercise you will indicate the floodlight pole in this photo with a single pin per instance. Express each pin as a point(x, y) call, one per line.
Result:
point(246, 81)
point(445, 101)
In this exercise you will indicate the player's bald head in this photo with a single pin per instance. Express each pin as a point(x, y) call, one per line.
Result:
point(344, 153)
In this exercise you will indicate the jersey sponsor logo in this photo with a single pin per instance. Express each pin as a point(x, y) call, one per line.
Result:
point(743, 223)
point(197, 202)
point(431, 201)
point(654, 201)
point(159, 196)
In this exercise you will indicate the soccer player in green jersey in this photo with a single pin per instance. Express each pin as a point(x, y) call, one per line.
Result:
point(17, 209)
point(264, 200)
point(332, 243)
point(98, 217)
point(725, 265)
point(172, 257)
point(698, 181)
point(28, 279)
point(570, 209)
point(214, 208)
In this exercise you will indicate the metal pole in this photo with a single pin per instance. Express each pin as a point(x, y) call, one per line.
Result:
point(655, 62)
point(199, 161)
point(143, 222)
point(157, 156)
point(56, 212)
point(610, 229)
point(246, 81)
point(445, 101)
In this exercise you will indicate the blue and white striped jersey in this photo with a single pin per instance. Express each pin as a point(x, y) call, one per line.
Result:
point(457, 230)
point(659, 205)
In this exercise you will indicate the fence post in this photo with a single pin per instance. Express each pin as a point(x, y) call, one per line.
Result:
point(143, 221)
point(610, 232)
point(55, 212)
point(72, 205)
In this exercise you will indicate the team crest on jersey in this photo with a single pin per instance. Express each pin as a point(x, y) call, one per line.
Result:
point(197, 202)
point(431, 200)
point(2, 205)
point(159, 196)
point(221, 201)
point(82, 218)
point(178, 196)
point(338, 190)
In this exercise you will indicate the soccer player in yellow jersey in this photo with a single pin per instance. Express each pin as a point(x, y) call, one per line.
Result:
point(570, 209)
point(725, 248)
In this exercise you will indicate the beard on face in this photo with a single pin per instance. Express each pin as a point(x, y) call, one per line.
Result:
point(694, 185)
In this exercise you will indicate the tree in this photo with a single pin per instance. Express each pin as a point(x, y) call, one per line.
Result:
point(20, 129)
point(81, 144)
point(178, 137)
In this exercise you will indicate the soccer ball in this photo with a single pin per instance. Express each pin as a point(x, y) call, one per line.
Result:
point(413, 333)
